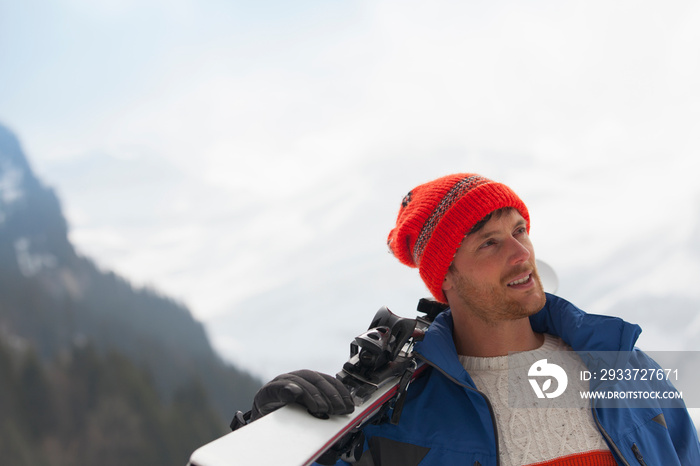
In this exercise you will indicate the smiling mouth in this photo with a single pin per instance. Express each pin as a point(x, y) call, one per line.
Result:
point(520, 281)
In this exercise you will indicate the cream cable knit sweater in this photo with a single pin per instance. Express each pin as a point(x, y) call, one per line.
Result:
point(533, 435)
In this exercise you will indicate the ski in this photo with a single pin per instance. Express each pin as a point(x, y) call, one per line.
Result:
point(287, 436)
point(380, 368)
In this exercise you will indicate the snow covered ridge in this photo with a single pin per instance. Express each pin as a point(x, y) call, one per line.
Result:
point(11, 178)
point(31, 263)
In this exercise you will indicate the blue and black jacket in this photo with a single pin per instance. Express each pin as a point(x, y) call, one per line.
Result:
point(447, 421)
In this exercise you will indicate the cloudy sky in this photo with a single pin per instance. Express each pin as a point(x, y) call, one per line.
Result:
point(249, 158)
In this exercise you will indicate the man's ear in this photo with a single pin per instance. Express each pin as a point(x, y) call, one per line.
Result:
point(448, 282)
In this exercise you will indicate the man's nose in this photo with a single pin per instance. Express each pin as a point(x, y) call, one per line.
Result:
point(519, 253)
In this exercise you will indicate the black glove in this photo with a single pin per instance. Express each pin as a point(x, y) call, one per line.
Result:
point(321, 394)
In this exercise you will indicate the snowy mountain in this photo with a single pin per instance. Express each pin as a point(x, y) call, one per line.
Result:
point(54, 299)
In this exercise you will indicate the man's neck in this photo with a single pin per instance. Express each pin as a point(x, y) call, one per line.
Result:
point(474, 337)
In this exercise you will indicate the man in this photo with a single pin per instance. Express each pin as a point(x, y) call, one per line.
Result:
point(468, 237)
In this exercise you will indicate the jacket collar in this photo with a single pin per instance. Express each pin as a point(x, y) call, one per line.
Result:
point(438, 348)
point(583, 332)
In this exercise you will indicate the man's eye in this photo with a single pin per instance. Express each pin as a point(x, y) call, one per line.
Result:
point(487, 244)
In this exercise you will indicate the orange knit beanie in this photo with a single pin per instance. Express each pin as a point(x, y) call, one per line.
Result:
point(435, 217)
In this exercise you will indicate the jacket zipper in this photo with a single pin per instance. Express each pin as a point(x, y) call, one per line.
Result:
point(609, 439)
point(488, 403)
point(638, 454)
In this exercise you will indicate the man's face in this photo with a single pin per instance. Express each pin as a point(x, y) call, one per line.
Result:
point(494, 276)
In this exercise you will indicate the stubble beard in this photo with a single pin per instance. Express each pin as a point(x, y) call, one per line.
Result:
point(492, 305)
